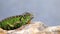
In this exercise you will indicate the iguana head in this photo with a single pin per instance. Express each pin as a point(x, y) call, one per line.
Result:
point(26, 17)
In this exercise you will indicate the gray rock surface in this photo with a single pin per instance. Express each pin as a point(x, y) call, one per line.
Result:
point(30, 29)
point(34, 28)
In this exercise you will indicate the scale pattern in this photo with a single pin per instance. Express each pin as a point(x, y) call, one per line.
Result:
point(15, 22)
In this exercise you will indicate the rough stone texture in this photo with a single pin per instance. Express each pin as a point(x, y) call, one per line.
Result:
point(52, 30)
point(34, 28)
point(31, 29)
point(3, 31)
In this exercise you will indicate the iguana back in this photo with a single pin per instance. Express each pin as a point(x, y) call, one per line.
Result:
point(15, 22)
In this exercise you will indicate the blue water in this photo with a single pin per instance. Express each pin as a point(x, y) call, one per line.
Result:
point(47, 11)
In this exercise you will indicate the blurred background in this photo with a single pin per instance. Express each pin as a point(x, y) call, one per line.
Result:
point(47, 11)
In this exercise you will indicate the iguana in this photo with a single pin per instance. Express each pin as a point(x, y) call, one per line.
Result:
point(15, 22)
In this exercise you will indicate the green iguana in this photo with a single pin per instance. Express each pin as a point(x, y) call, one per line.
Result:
point(15, 22)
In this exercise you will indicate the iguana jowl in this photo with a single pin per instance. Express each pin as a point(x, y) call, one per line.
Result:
point(15, 22)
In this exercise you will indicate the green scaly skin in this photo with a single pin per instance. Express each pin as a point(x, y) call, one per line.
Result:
point(15, 22)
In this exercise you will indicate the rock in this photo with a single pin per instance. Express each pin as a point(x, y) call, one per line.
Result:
point(3, 31)
point(30, 29)
point(36, 28)
point(37, 25)
point(51, 30)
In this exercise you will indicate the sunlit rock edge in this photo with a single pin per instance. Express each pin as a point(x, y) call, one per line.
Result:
point(34, 28)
